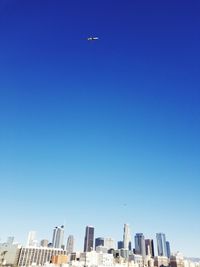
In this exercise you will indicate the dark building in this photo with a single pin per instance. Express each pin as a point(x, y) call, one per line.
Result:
point(99, 242)
point(168, 249)
point(89, 239)
point(140, 244)
point(120, 244)
point(149, 247)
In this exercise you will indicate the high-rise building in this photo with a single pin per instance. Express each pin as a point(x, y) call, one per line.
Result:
point(120, 244)
point(127, 237)
point(149, 247)
point(161, 244)
point(109, 243)
point(31, 241)
point(70, 244)
point(140, 244)
point(58, 236)
point(44, 243)
point(89, 239)
point(168, 249)
point(99, 241)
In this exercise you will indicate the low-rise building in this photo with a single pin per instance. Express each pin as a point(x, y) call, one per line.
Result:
point(38, 255)
point(9, 253)
point(161, 261)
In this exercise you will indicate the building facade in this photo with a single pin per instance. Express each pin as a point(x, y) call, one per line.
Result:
point(168, 249)
point(149, 247)
point(140, 245)
point(99, 241)
point(58, 237)
point(127, 237)
point(161, 244)
point(70, 244)
point(38, 255)
point(89, 239)
point(31, 241)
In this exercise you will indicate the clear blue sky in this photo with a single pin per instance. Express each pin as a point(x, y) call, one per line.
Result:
point(88, 127)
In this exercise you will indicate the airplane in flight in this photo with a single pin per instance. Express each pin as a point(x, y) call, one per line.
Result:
point(93, 38)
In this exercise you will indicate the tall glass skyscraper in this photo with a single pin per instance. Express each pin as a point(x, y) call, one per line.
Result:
point(161, 244)
point(58, 236)
point(89, 239)
point(168, 249)
point(149, 246)
point(70, 244)
point(140, 244)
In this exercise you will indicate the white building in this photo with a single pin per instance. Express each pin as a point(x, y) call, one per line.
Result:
point(96, 259)
point(31, 241)
point(109, 243)
point(38, 255)
point(139, 260)
point(127, 237)
point(9, 253)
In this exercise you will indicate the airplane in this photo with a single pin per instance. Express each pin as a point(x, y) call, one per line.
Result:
point(93, 38)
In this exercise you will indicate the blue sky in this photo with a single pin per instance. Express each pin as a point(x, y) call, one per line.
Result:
point(88, 127)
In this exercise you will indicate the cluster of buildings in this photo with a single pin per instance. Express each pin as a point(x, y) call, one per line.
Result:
point(99, 251)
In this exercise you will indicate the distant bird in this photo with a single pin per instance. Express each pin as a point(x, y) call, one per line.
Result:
point(92, 38)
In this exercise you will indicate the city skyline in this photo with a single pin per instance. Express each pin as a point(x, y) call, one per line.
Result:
point(91, 242)
point(103, 132)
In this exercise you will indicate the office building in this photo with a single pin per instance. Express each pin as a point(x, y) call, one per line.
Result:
point(58, 237)
point(149, 247)
point(70, 244)
point(168, 249)
point(31, 241)
point(59, 259)
point(161, 244)
point(120, 244)
point(161, 261)
point(99, 241)
point(177, 260)
point(9, 254)
point(89, 239)
point(109, 243)
point(127, 237)
point(44, 243)
point(140, 245)
point(91, 259)
point(38, 256)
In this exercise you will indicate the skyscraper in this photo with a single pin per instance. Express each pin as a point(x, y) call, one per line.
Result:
point(149, 247)
point(109, 243)
point(70, 244)
point(99, 242)
point(120, 244)
point(127, 237)
point(31, 241)
point(89, 239)
point(161, 244)
point(140, 244)
point(44, 243)
point(168, 249)
point(58, 236)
